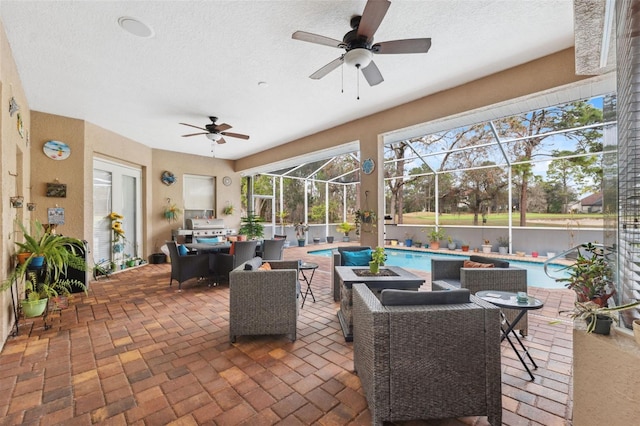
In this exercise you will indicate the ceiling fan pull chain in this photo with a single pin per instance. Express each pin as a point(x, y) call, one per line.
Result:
point(342, 78)
point(358, 80)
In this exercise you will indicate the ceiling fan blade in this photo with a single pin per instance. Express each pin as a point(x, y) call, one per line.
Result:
point(235, 135)
point(372, 74)
point(372, 16)
point(315, 38)
point(195, 134)
point(222, 127)
point(191, 125)
point(221, 141)
point(327, 68)
point(410, 45)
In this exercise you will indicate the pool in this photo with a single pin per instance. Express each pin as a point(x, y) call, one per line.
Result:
point(411, 259)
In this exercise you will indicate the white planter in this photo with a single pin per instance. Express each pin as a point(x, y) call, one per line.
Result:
point(550, 254)
point(503, 250)
point(486, 248)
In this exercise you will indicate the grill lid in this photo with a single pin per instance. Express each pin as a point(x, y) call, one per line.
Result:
point(205, 224)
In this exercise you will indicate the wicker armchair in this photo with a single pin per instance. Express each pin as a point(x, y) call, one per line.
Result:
point(427, 361)
point(187, 266)
point(272, 249)
point(448, 273)
point(338, 260)
point(264, 301)
point(226, 262)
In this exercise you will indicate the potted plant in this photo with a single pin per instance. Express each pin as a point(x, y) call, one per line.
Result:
point(599, 319)
point(251, 226)
point(228, 210)
point(171, 211)
point(408, 239)
point(486, 247)
point(43, 277)
point(346, 228)
point(378, 257)
point(591, 276)
point(301, 233)
point(503, 245)
point(435, 236)
point(451, 244)
point(464, 246)
point(365, 220)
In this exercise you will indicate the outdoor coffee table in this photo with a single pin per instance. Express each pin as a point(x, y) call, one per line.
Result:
point(308, 266)
point(509, 300)
point(389, 277)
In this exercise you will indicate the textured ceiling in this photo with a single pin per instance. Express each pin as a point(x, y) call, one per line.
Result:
point(207, 57)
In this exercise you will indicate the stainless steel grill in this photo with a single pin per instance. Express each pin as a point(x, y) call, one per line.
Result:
point(206, 227)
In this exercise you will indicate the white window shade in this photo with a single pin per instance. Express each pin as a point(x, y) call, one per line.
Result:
point(199, 192)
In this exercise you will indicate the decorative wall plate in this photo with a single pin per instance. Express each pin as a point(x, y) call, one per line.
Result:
point(56, 150)
point(368, 166)
point(226, 181)
point(168, 178)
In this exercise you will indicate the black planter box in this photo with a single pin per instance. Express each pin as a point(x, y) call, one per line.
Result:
point(156, 258)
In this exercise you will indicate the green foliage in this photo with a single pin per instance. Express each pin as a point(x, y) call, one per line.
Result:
point(436, 234)
point(378, 256)
point(591, 276)
point(251, 226)
point(345, 228)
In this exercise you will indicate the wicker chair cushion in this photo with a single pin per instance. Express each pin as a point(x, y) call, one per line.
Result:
point(357, 258)
point(390, 297)
point(253, 264)
point(472, 264)
point(496, 262)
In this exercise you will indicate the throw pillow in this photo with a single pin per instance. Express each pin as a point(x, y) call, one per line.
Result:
point(390, 297)
point(183, 250)
point(213, 240)
point(496, 262)
point(253, 264)
point(265, 266)
point(472, 264)
point(357, 258)
point(232, 249)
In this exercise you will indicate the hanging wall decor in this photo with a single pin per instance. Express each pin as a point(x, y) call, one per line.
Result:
point(55, 215)
point(56, 150)
point(17, 201)
point(20, 125)
point(13, 106)
point(55, 189)
point(168, 178)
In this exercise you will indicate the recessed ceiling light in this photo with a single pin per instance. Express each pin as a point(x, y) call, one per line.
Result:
point(135, 27)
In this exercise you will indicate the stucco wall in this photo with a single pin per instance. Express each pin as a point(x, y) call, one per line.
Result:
point(179, 165)
point(14, 171)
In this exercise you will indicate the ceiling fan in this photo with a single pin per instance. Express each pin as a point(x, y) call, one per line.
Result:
point(215, 131)
point(359, 46)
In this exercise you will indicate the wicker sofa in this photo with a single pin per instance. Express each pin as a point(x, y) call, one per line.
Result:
point(427, 361)
point(264, 301)
point(449, 273)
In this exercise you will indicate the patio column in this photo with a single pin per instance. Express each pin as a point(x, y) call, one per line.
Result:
point(371, 147)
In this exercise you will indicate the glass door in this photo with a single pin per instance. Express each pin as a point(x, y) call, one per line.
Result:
point(117, 205)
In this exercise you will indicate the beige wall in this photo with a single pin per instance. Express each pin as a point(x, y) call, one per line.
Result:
point(179, 165)
point(14, 171)
point(606, 379)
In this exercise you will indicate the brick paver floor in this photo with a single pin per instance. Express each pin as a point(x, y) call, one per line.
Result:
point(135, 351)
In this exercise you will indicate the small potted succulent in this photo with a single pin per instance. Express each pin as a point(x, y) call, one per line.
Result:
point(301, 233)
point(503, 245)
point(599, 319)
point(451, 244)
point(346, 228)
point(486, 247)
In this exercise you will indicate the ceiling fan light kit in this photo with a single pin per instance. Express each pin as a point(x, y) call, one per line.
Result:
point(214, 136)
point(359, 58)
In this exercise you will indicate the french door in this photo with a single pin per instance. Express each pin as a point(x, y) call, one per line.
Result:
point(117, 190)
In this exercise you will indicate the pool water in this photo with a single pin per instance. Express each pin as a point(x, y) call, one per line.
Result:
point(422, 261)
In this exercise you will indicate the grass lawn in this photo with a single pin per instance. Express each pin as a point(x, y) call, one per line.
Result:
point(502, 219)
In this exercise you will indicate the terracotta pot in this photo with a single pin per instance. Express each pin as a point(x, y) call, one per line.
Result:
point(22, 257)
point(435, 245)
point(465, 248)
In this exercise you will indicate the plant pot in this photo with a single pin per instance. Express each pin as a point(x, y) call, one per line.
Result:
point(636, 330)
point(435, 245)
point(408, 242)
point(550, 254)
point(36, 262)
point(316, 240)
point(452, 246)
point(330, 239)
point(465, 248)
point(301, 243)
point(242, 238)
point(346, 239)
point(486, 248)
point(603, 324)
point(394, 242)
point(35, 308)
point(503, 250)
point(417, 244)
point(157, 258)
point(374, 267)
point(22, 257)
